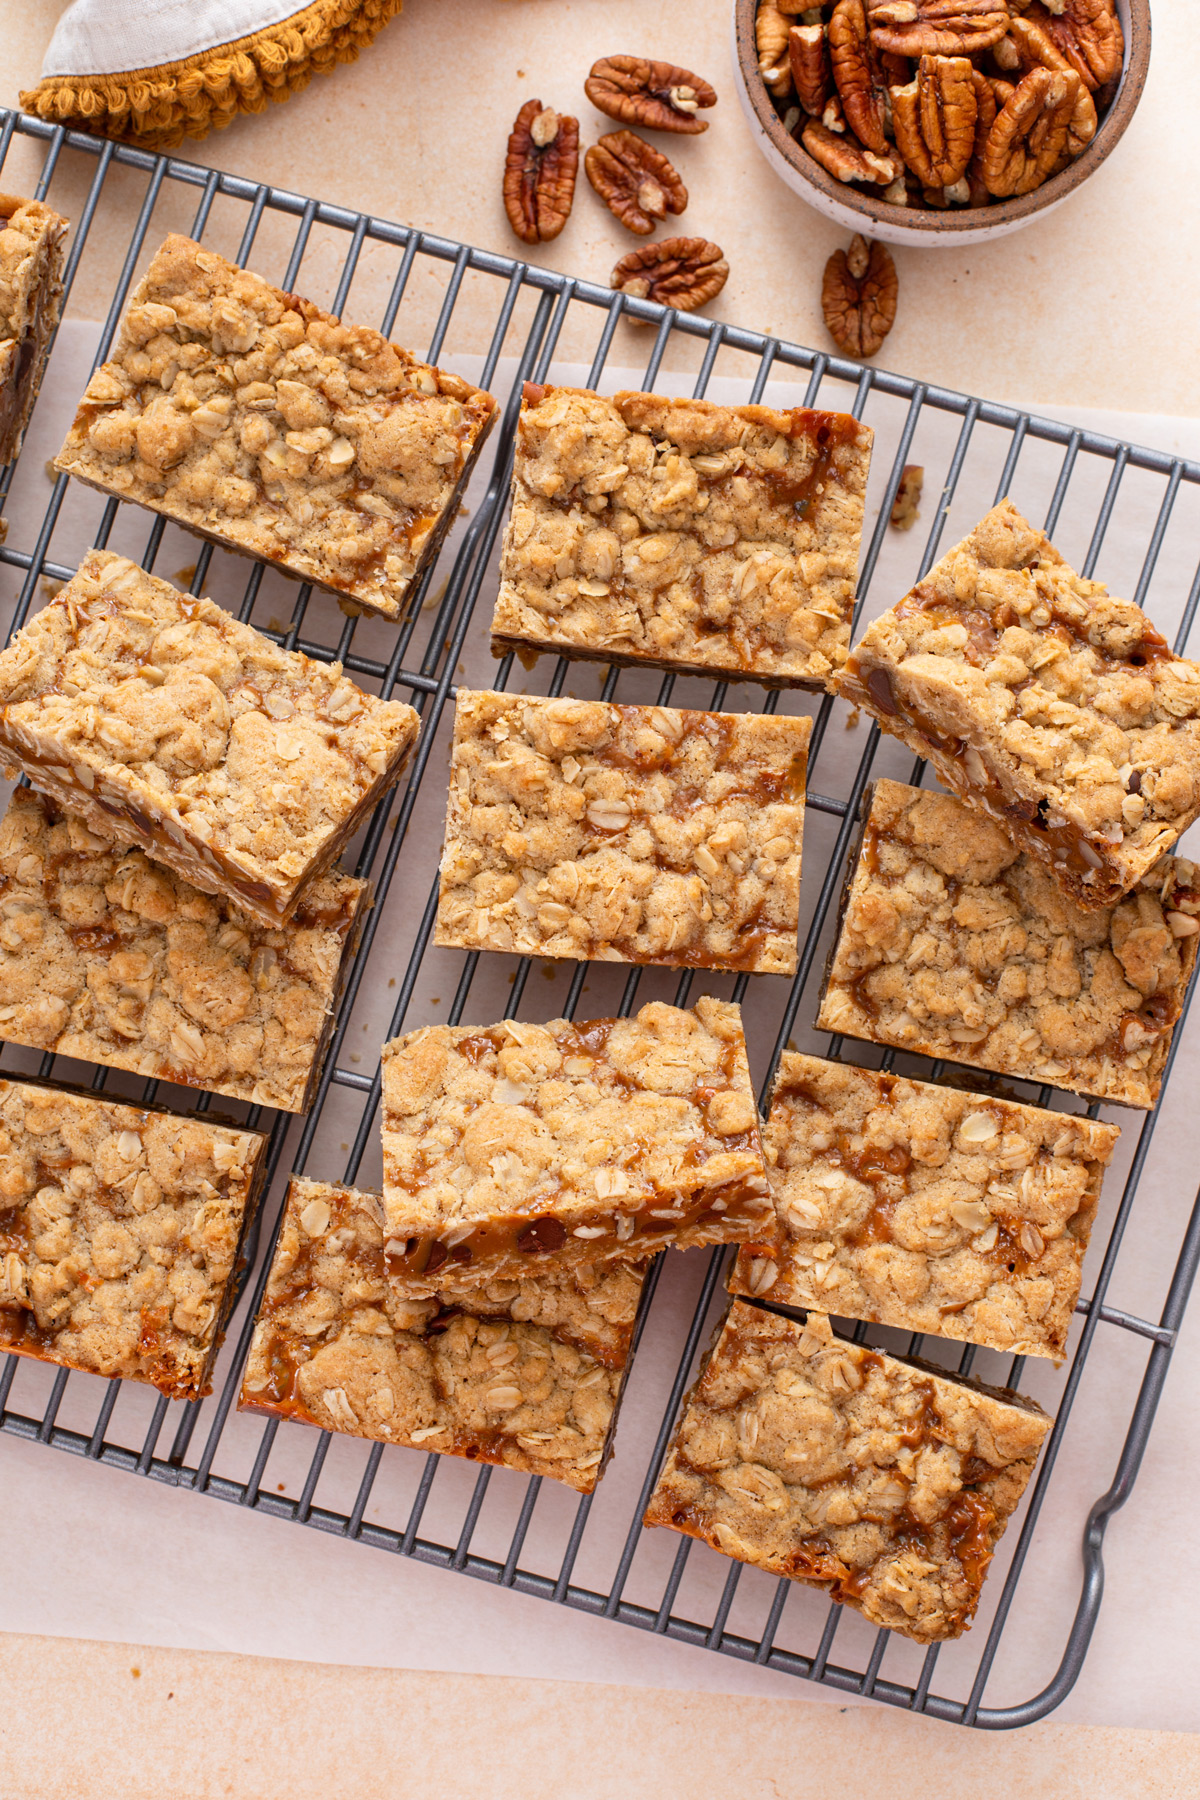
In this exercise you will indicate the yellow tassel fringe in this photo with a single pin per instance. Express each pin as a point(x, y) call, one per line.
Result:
point(157, 108)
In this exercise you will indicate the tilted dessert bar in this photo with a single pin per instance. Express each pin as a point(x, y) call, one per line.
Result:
point(682, 535)
point(1043, 701)
point(524, 1146)
point(954, 943)
point(107, 956)
point(152, 714)
point(640, 834)
point(119, 1234)
point(881, 1481)
point(261, 422)
point(31, 264)
point(957, 1214)
point(524, 1372)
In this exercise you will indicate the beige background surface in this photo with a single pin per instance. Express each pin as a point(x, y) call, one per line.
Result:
point(1093, 308)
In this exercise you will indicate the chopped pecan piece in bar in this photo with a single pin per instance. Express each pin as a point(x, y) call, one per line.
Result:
point(257, 420)
point(524, 1146)
point(525, 1371)
point(156, 717)
point(640, 834)
point(119, 1234)
point(935, 1210)
point(682, 535)
point(884, 1482)
point(111, 958)
point(954, 943)
point(31, 263)
point(1051, 706)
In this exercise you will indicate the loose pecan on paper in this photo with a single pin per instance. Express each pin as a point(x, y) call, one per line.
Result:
point(684, 272)
point(937, 27)
point(844, 157)
point(637, 183)
point(539, 172)
point(808, 54)
point(1028, 141)
point(858, 296)
point(934, 120)
point(656, 95)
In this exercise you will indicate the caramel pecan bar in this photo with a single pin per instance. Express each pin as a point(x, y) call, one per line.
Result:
point(257, 420)
point(31, 262)
point(119, 1235)
point(525, 1371)
point(638, 834)
point(1049, 705)
point(956, 944)
point(934, 1210)
point(109, 957)
point(885, 1483)
point(156, 716)
point(527, 1145)
point(682, 535)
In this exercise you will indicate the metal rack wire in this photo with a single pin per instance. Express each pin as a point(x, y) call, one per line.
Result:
point(510, 1530)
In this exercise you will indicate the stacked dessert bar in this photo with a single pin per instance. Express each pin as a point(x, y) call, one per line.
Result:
point(169, 904)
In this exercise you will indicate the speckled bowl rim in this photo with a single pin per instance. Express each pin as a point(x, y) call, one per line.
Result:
point(974, 219)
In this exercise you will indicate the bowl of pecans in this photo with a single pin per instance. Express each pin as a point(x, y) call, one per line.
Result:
point(939, 121)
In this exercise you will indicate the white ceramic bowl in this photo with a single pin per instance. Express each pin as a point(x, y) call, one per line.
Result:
point(858, 211)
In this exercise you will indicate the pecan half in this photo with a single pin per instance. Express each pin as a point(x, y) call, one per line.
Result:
point(934, 119)
point(1088, 33)
point(858, 296)
point(858, 75)
point(845, 158)
point(684, 272)
point(1030, 134)
point(937, 27)
point(657, 95)
point(636, 182)
point(771, 41)
point(1036, 49)
point(539, 172)
point(808, 54)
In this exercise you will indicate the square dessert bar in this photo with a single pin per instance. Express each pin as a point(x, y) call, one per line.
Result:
point(157, 717)
point(524, 1372)
point(119, 1235)
point(885, 1483)
point(31, 263)
point(927, 1208)
point(107, 956)
point(682, 535)
point(257, 420)
point(525, 1146)
point(954, 943)
point(1050, 706)
point(638, 834)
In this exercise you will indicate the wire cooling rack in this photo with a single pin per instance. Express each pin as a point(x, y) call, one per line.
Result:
point(1134, 508)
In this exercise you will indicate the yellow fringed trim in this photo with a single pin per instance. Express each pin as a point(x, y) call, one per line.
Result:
point(157, 108)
